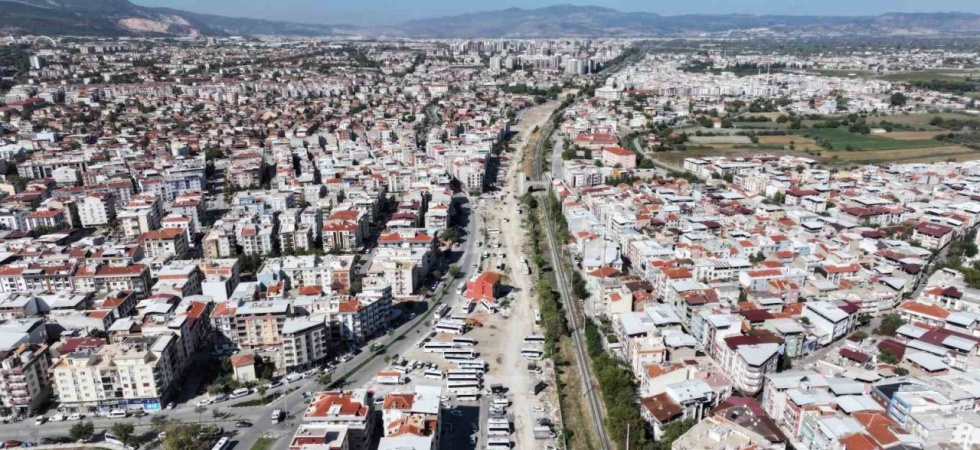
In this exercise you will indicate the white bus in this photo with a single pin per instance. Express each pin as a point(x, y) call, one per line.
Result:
point(465, 391)
point(470, 384)
point(464, 342)
point(462, 376)
point(442, 311)
point(461, 290)
point(476, 372)
point(498, 443)
point(450, 328)
point(532, 353)
point(438, 347)
point(221, 444)
point(458, 354)
point(434, 374)
point(472, 365)
point(498, 427)
point(534, 339)
point(468, 396)
point(493, 230)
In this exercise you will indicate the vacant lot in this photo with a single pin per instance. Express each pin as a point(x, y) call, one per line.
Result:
point(841, 138)
point(676, 158)
point(799, 142)
point(720, 140)
point(901, 155)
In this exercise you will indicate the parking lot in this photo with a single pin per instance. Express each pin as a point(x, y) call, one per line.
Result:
point(499, 340)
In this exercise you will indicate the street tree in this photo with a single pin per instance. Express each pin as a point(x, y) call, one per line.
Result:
point(82, 431)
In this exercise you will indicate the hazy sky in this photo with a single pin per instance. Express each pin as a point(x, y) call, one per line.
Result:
point(368, 12)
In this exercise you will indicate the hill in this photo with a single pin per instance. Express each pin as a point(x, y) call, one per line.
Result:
point(123, 18)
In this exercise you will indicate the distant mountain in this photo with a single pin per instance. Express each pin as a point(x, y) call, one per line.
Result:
point(593, 21)
point(123, 18)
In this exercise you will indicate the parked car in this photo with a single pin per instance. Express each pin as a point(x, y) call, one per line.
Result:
point(58, 417)
point(273, 385)
point(75, 416)
point(243, 424)
point(204, 402)
point(40, 420)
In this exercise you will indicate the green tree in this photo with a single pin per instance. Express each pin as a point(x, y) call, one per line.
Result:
point(898, 99)
point(82, 431)
point(886, 356)
point(325, 379)
point(449, 235)
point(199, 410)
point(453, 270)
point(889, 324)
point(673, 431)
point(864, 319)
point(124, 431)
point(261, 390)
point(159, 423)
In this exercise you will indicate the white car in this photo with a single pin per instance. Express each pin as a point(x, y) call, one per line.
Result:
point(39, 420)
point(75, 416)
point(204, 402)
point(57, 417)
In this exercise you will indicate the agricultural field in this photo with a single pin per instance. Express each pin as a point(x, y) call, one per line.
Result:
point(799, 142)
point(912, 135)
point(935, 74)
point(841, 139)
point(917, 121)
point(953, 152)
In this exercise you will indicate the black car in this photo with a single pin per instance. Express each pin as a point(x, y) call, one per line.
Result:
point(243, 424)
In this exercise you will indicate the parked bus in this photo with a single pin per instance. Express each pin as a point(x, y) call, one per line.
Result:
point(531, 353)
point(464, 342)
point(468, 396)
point(470, 384)
point(477, 372)
point(112, 439)
point(438, 347)
point(222, 443)
point(462, 376)
point(457, 354)
point(534, 339)
point(434, 374)
point(461, 290)
point(498, 427)
point(451, 328)
point(472, 365)
point(498, 443)
point(442, 311)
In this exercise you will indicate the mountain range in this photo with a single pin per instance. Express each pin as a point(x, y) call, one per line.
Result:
point(123, 18)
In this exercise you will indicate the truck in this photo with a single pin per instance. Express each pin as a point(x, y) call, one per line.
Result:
point(390, 377)
point(543, 432)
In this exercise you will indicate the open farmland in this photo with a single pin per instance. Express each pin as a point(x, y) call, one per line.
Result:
point(901, 155)
point(841, 138)
point(912, 135)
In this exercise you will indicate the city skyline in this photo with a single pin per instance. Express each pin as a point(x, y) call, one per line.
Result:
point(389, 12)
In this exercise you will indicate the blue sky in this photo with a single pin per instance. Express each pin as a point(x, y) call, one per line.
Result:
point(367, 12)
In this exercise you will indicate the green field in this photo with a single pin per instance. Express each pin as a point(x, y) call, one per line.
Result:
point(933, 74)
point(263, 443)
point(841, 138)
